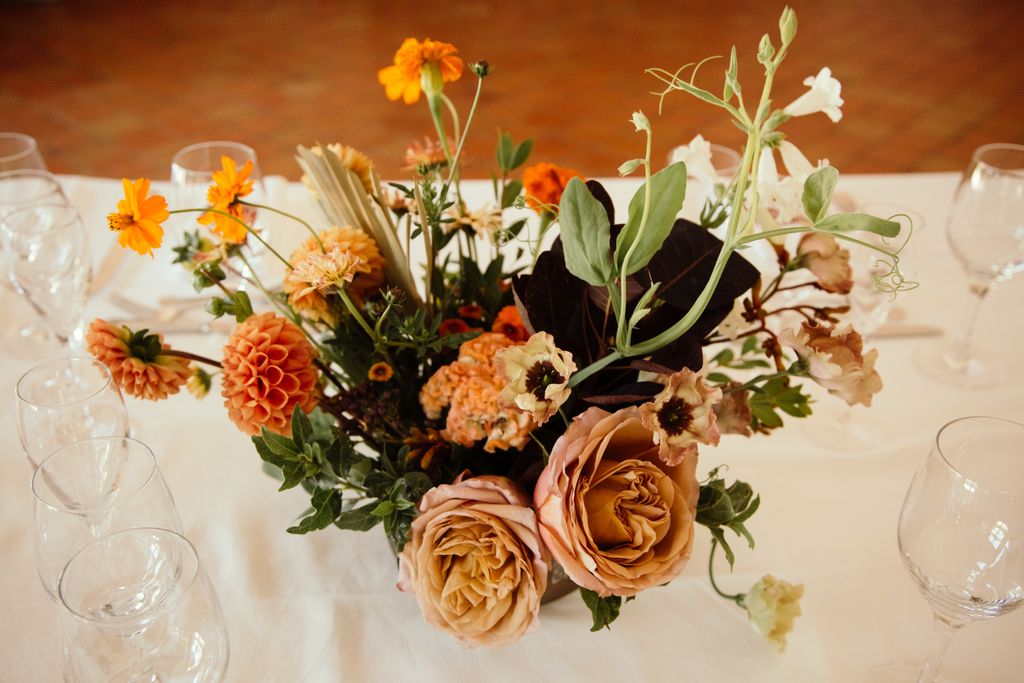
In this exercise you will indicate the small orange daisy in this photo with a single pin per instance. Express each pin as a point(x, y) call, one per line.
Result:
point(430, 63)
point(230, 184)
point(544, 183)
point(380, 372)
point(138, 218)
point(452, 326)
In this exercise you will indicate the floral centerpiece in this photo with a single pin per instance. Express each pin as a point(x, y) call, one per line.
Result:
point(506, 404)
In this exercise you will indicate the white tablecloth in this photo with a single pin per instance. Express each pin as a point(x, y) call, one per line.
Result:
point(323, 607)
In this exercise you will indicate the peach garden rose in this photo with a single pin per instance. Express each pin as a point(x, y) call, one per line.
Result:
point(615, 516)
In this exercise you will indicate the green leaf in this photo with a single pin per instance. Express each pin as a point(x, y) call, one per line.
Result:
point(243, 307)
point(603, 610)
point(628, 167)
point(280, 445)
point(586, 234)
point(294, 473)
point(718, 378)
point(668, 188)
point(302, 428)
point(358, 519)
point(509, 194)
point(266, 454)
point(505, 151)
point(749, 344)
point(732, 83)
point(326, 505)
point(765, 50)
point(521, 154)
point(720, 537)
point(818, 189)
point(383, 509)
point(850, 222)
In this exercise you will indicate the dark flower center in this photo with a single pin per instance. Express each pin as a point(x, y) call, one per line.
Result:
point(539, 376)
point(675, 416)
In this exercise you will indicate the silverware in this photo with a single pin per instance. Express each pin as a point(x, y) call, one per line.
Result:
point(107, 269)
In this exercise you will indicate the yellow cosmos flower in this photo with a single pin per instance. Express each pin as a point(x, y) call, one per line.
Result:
point(230, 184)
point(420, 66)
point(138, 217)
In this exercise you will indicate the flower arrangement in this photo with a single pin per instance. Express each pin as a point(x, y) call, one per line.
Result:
point(512, 400)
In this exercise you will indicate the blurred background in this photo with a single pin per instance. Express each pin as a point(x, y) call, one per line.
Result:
point(115, 88)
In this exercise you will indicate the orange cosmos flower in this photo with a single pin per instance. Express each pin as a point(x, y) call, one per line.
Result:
point(138, 217)
point(544, 183)
point(427, 65)
point(230, 184)
point(510, 324)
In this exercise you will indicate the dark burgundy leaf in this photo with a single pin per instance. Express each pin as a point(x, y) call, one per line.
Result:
point(601, 195)
point(648, 366)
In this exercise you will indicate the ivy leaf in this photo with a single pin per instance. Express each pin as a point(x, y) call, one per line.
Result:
point(586, 234)
point(818, 189)
point(668, 187)
point(603, 610)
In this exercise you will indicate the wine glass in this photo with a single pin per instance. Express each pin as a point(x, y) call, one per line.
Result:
point(89, 489)
point(47, 256)
point(986, 233)
point(961, 532)
point(64, 401)
point(19, 151)
point(138, 606)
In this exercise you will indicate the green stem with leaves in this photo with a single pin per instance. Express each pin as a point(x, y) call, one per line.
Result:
point(291, 216)
point(734, 597)
point(245, 225)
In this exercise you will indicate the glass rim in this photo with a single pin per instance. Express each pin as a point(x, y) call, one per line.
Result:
point(212, 143)
point(109, 379)
point(63, 451)
point(185, 587)
point(956, 470)
point(31, 147)
point(73, 216)
point(979, 152)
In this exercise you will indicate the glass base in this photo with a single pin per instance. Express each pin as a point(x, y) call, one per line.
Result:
point(846, 432)
point(940, 362)
point(901, 672)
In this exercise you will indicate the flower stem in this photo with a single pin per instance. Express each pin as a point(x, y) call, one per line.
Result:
point(245, 225)
point(288, 215)
point(191, 356)
point(736, 597)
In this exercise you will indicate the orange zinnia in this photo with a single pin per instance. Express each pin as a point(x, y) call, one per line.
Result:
point(427, 65)
point(230, 184)
point(544, 183)
point(138, 217)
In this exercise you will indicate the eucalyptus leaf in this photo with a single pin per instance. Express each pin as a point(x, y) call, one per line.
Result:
point(818, 189)
point(586, 234)
point(668, 188)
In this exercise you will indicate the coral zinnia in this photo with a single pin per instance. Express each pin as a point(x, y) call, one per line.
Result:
point(417, 66)
point(510, 324)
point(138, 217)
point(268, 370)
point(544, 183)
point(137, 361)
point(368, 269)
point(230, 184)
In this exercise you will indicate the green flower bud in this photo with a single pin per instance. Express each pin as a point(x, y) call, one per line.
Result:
point(482, 68)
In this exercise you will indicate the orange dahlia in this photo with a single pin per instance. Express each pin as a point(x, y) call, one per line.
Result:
point(368, 278)
point(268, 370)
point(544, 183)
point(137, 360)
point(427, 65)
point(230, 184)
point(138, 218)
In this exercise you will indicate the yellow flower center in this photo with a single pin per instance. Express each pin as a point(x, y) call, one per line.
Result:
point(119, 221)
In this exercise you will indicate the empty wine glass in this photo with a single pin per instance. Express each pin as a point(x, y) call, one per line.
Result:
point(46, 251)
point(64, 401)
point(961, 532)
point(19, 151)
point(92, 488)
point(138, 606)
point(986, 233)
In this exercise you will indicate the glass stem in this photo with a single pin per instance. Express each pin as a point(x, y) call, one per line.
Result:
point(944, 631)
point(962, 343)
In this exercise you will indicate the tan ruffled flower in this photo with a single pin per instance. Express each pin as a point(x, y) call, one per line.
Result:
point(733, 411)
point(136, 361)
point(476, 562)
point(268, 370)
point(829, 262)
point(835, 360)
point(324, 272)
point(429, 153)
point(368, 274)
point(682, 415)
point(615, 516)
point(485, 221)
point(773, 606)
point(537, 376)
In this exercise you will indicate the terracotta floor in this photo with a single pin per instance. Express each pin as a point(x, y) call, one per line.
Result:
point(114, 89)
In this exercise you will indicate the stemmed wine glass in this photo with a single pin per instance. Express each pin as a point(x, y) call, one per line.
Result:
point(138, 606)
point(986, 233)
point(961, 532)
point(19, 151)
point(47, 257)
point(64, 401)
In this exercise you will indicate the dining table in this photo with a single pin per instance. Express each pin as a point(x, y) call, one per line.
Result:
point(324, 606)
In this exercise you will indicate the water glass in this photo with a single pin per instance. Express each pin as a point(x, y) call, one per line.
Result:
point(64, 401)
point(92, 488)
point(19, 151)
point(138, 606)
point(22, 188)
point(46, 251)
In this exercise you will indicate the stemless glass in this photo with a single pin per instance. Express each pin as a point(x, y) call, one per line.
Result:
point(47, 256)
point(986, 233)
point(92, 488)
point(19, 151)
point(961, 532)
point(138, 606)
point(64, 401)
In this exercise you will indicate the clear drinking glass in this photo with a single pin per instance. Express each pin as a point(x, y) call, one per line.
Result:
point(46, 251)
point(19, 151)
point(64, 401)
point(986, 233)
point(961, 532)
point(90, 489)
point(139, 607)
point(192, 174)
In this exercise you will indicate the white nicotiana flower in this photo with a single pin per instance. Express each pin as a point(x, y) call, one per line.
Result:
point(783, 196)
point(823, 96)
point(773, 606)
point(697, 157)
